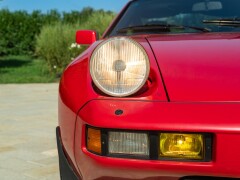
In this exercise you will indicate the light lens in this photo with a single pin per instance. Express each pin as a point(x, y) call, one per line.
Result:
point(94, 140)
point(128, 143)
point(185, 146)
point(119, 66)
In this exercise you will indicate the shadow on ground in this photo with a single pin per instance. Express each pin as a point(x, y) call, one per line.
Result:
point(5, 64)
point(8, 63)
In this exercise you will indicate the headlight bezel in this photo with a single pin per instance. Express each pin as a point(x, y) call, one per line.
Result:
point(125, 94)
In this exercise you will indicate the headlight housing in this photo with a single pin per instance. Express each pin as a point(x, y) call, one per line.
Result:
point(119, 66)
point(152, 145)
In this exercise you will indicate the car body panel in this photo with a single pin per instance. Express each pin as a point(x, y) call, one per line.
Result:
point(193, 87)
point(199, 67)
point(217, 118)
point(73, 96)
point(165, 116)
point(81, 105)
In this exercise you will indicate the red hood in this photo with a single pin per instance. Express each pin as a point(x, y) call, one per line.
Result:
point(199, 67)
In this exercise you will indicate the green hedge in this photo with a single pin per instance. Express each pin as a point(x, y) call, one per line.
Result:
point(53, 45)
point(56, 42)
point(18, 30)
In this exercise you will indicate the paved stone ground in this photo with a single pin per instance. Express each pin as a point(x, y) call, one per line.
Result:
point(28, 118)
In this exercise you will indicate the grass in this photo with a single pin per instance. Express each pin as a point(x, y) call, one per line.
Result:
point(24, 69)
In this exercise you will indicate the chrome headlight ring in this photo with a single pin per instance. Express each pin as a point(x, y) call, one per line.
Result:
point(119, 66)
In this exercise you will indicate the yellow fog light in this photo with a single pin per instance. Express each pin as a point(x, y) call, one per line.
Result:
point(184, 146)
point(94, 140)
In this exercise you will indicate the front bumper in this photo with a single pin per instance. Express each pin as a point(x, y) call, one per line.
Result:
point(66, 171)
point(219, 119)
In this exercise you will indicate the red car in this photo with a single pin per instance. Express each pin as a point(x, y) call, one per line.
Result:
point(158, 97)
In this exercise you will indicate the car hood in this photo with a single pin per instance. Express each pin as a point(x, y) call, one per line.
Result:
point(203, 67)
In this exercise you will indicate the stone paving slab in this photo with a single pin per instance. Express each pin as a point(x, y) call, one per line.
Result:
point(28, 119)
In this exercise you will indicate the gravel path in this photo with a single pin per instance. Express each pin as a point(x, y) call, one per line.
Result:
point(28, 118)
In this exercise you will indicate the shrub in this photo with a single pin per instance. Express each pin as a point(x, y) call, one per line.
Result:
point(99, 21)
point(53, 45)
point(56, 45)
point(18, 30)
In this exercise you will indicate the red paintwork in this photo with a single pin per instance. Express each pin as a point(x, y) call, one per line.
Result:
point(201, 75)
point(75, 90)
point(199, 67)
point(222, 119)
point(191, 107)
point(86, 37)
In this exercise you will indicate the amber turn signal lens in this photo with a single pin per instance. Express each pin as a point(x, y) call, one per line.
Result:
point(184, 146)
point(94, 140)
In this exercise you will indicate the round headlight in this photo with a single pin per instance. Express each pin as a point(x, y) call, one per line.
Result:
point(119, 66)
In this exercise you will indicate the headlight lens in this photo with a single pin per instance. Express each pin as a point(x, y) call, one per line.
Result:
point(119, 66)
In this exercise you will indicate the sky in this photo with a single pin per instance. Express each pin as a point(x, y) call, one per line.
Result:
point(61, 5)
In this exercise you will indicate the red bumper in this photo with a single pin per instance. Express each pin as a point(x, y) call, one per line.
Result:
point(220, 119)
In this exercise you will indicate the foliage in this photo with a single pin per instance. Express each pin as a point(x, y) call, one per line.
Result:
point(55, 42)
point(51, 36)
point(98, 21)
point(18, 30)
point(24, 69)
point(53, 45)
point(74, 50)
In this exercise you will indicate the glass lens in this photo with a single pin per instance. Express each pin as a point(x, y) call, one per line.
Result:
point(189, 146)
point(128, 143)
point(119, 67)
